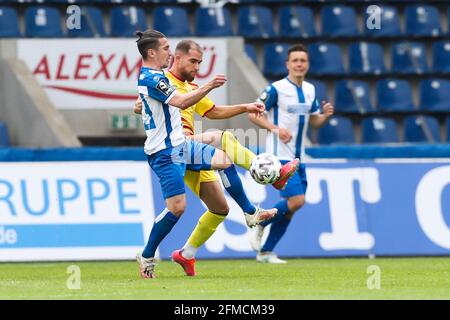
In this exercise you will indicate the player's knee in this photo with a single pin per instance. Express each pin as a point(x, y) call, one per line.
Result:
point(221, 160)
point(177, 207)
point(296, 203)
point(221, 208)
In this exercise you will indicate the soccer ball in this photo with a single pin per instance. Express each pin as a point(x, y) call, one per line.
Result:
point(265, 168)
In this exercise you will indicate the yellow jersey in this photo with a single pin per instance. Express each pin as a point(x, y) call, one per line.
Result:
point(187, 115)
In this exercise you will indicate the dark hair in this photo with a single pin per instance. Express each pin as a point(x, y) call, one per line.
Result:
point(296, 47)
point(186, 45)
point(148, 39)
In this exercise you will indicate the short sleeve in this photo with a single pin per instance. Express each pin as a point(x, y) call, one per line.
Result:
point(159, 88)
point(203, 106)
point(315, 108)
point(269, 97)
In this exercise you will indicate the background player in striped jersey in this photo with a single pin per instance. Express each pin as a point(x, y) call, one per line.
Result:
point(291, 104)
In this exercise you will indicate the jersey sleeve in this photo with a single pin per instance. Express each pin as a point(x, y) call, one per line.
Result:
point(315, 108)
point(159, 88)
point(203, 106)
point(269, 97)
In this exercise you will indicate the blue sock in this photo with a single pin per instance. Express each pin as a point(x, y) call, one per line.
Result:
point(161, 228)
point(233, 185)
point(277, 230)
point(282, 207)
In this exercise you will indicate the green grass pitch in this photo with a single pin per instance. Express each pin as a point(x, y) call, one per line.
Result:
point(400, 278)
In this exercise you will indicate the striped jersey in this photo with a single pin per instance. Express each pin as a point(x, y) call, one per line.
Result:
point(288, 106)
point(187, 115)
point(162, 122)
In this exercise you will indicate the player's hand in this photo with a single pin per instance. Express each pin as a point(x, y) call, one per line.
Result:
point(327, 109)
point(218, 81)
point(284, 135)
point(138, 106)
point(256, 108)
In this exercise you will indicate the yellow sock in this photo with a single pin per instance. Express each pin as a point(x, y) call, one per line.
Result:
point(206, 226)
point(237, 152)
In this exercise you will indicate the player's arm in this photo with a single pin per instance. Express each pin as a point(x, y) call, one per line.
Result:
point(270, 99)
point(184, 101)
point(228, 111)
point(318, 120)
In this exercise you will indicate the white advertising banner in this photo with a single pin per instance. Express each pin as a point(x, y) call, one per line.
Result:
point(102, 73)
point(74, 210)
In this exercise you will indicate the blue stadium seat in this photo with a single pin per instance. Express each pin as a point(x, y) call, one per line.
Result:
point(435, 95)
point(91, 24)
point(339, 21)
point(255, 22)
point(42, 22)
point(9, 23)
point(389, 20)
point(325, 59)
point(172, 21)
point(421, 129)
point(321, 90)
point(212, 23)
point(251, 53)
point(394, 95)
point(448, 129)
point(4, 136)
point(379, 130)
point(441, 57)
point(275, 55)
point(366, 58)
point(409, 58)
point(353, 96)
point(422, 20)
point(125, 20)
point(339, 130)
point(296, 22)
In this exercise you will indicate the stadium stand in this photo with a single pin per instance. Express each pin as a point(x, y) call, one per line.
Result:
point(447, 128)
point(389, 19)
point(339, 130)
point(126, 20)
point(409, 58)
point(253, 22)
point(435, 95)
point(326, 59)
point(441, 57)
point(365, 70)
point(210, 22)
point(379, 130)
point(352, 96)
point(421, 129)
point(366, 58)
point(339, 21)
point(296, 22)
point(9, 23)
point(91, 24)
point(172, 21)
point(4, 136)
point(44, 22)
point(394, 95)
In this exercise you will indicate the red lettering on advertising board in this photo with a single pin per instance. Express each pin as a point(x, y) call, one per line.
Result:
point(42, 68)
point(59, 75)
point(81, 65)
point(124, 66)
point(104, 66)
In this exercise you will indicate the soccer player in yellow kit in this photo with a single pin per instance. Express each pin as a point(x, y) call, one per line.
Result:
point(188, 56)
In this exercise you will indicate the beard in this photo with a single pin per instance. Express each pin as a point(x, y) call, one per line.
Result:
point(187, 76)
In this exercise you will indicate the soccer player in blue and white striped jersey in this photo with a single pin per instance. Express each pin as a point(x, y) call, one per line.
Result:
point(291, 104)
